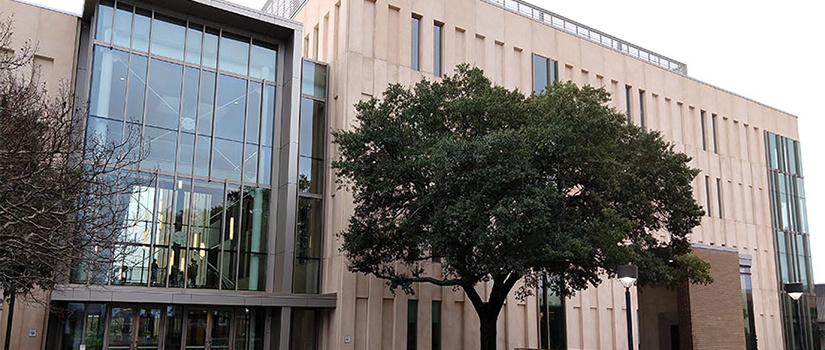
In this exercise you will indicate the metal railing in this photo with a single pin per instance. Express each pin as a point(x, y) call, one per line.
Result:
point(559, 22)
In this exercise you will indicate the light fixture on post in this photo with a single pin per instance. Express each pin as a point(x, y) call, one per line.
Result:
point(627, 275)
point(795, 290)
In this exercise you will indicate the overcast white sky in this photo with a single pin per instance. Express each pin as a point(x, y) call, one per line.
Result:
point(769, 51)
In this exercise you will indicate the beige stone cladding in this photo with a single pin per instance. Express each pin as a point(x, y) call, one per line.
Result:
point(55, 35)
point(368, 45)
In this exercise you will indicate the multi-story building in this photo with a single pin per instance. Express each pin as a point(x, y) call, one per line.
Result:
point(232, 239)
point(754, 233)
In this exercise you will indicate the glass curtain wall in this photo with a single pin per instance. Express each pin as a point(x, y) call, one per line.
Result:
point(790, 224)
point(202, 100)
point(311, 150)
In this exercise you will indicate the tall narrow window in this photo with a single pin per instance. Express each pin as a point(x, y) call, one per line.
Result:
point(436, 331)
point(437, 45)
point(552, 328)
point(627, 90)
point(719, 196)
point(642, 108)
point(415, 51)
point(707, 195)
point(747, 301)
point(713, 127)
point(412, 320)
point(545, 73)
point(704, 134)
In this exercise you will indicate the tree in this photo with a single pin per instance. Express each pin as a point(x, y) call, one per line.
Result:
point(503, 187)
point(60, 192)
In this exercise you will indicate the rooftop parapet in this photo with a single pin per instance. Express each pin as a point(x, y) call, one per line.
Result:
point(564, 24)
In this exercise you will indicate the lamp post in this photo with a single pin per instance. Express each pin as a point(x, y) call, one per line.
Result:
point(795, 290)
point(628, 275)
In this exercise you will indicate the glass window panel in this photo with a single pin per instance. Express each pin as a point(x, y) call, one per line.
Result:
point(187, 153)
point(268, 122)
point(266, 165)
point(437, 49)
point(308, 242)
point(159, 269)
point(314, 79)
point(160, 146)
point(139, 202)
point(230, 242)
point(73, 325)
point(255, 220)
point(310, 175)
point(163, 100)
point(165, 216)
point(174, 327)
point(436, 325)
point(190, 99)
point(133, 266)
point(168, 35)
point(137, 88)
point(227, 160)
point(102, 133)
point(253, 113)
point(229, 113)
point(194, 40)
point(250, 164)
point(100, 267)
point(203, 147)
point(123, 25)
point(412, 324)
point(312, 128)
point(234, 53)
point(206, 103)
point(263, 61)
point(252, 274)
point(249, 328)
point(108, 95)
point(103, 28)
point(210, 48)
point(415, 50)
point(540, 73)
point(179, 236)
point(202, 271)
point(306, 275)
point(120, 327)
point(140, 32)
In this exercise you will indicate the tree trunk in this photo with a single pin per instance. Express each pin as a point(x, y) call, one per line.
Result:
point(489, 320)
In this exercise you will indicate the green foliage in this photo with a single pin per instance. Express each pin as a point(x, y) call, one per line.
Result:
point(499, 186)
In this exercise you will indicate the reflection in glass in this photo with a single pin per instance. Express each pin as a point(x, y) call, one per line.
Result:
point(95, 324)
point(311, 149)
point(160, 146)
point(250, 163)
point(120, 328)
point(196, 329)
point(253, 113)
point(194, 38)
point(140, 32)
point(101, 132)
point(137, 88)
point(314, 80)
point(174, 327)
point(148, 336)
point(227, 159)
point(229, 111)
point(302, 334)
point(262, 62)
point(202, 156)
point(108, 95)
point(230, 239)
point(207, 221)
point(168, 35)
point(103, 28)
point(206, 103)
point(210, 48)
point(234, 53)
point(219, 337)
point(123, 25)
point(268, 122)
point(308, 246)
point(190, 99)
point(266, 165)
point(163, 100)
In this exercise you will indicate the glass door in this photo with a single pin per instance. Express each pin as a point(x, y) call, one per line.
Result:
point(149, 326)
point(220, 333)
point(121, 321)
point(196, 329)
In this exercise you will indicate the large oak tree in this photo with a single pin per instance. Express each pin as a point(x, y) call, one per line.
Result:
point(501, 187)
